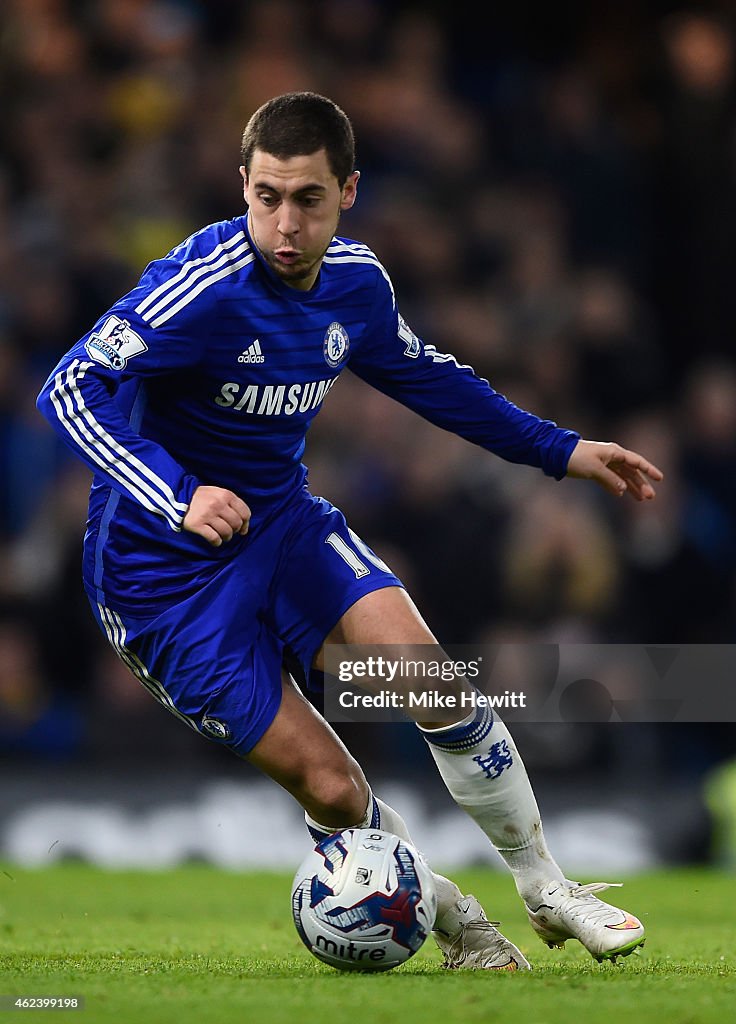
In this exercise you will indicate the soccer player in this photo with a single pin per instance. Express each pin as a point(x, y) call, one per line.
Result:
point(207, 561)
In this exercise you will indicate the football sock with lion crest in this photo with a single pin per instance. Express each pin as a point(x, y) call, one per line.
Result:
point(485, 775)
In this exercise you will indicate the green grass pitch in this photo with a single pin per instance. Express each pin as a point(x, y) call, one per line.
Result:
point(196, 944)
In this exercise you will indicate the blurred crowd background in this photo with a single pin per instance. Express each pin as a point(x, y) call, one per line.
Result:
point(553, 191)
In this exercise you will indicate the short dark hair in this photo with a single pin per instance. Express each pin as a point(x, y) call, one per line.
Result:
point(300, 123)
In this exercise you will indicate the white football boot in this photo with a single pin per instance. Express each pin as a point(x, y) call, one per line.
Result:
point(566, 910)
point(469, 941)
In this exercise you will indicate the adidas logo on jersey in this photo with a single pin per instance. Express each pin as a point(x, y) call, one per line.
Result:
point(252, 354)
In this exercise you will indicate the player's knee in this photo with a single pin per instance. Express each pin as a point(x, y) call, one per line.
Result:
point(338, 798)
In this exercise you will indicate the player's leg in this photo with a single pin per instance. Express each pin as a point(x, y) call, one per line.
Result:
point(303, 754)
point(306, 757)
point(223, 677)
point(322, 550)
point(212, 662)
point(484, 773)
point(502, 804)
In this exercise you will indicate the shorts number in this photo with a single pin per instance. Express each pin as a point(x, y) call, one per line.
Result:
point(351, 558)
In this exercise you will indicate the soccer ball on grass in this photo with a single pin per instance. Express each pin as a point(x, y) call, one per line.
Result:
point(363, 900)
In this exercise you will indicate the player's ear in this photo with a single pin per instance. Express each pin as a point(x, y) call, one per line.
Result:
point(244, 176)
point(349, 191)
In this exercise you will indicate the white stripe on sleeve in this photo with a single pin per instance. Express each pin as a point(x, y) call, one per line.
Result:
point(156, 294)
point(74, 424)
point(190, 295)
point(226, 259)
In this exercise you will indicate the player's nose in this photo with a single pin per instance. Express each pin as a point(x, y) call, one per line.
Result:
point(288, 221)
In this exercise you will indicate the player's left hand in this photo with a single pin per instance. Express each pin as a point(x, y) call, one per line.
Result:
point(616, 469)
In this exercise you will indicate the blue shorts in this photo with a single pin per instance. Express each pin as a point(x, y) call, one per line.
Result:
point(214, 659)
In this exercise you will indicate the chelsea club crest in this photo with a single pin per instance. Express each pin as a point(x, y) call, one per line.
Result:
point(336, 344)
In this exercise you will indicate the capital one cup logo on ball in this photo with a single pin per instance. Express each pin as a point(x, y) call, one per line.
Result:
point(363, 900)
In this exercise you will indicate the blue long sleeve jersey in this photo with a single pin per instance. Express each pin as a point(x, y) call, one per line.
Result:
point(210, 371)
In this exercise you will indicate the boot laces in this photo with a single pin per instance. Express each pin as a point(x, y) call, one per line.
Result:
point(581, 900)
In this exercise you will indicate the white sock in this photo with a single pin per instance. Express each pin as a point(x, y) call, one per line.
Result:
point(379, 815)
point(485, 775)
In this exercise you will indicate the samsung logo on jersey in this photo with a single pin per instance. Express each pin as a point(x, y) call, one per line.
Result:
point(274, 399)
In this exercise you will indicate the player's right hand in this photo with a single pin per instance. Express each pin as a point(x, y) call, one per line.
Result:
point(216, 514)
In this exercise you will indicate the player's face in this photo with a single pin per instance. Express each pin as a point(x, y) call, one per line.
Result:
point(294, 206)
